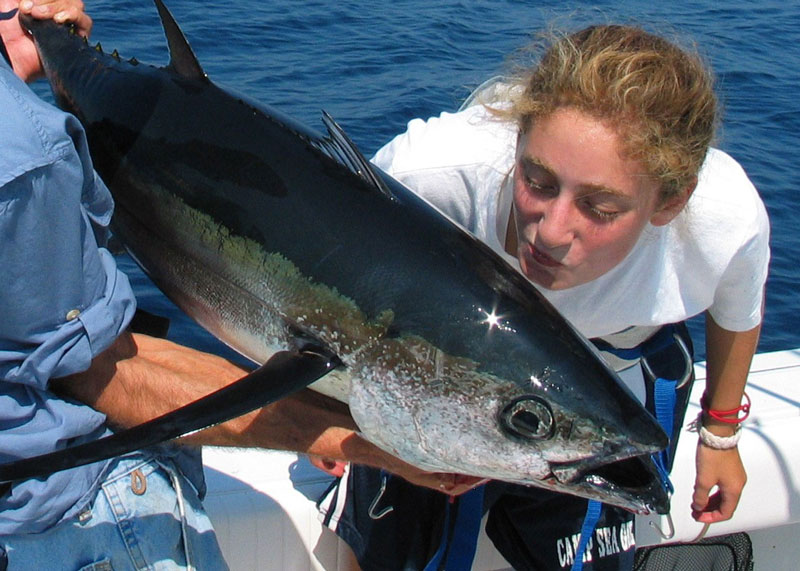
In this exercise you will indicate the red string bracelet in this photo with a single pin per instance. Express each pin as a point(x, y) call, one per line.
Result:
point(721, 415)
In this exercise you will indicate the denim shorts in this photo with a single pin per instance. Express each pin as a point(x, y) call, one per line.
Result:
point(146, 515)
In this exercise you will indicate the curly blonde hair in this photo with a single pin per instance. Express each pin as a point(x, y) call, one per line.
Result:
point(658, 97)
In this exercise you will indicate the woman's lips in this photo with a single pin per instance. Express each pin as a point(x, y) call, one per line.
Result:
point(542, 259)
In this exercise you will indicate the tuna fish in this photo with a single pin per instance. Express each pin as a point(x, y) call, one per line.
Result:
point(275, 237)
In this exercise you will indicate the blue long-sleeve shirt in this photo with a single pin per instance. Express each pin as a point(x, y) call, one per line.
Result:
point(62, 298)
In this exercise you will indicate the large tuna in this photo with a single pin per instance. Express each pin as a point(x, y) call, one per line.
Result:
point(275, 237)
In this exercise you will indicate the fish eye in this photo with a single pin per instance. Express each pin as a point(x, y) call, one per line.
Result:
point(528, 417)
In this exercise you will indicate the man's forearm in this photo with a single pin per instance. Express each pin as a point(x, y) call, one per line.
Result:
point(140, 378)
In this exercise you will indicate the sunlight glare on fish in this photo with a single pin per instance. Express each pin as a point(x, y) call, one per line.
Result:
point(492, 320)
point(495, 321)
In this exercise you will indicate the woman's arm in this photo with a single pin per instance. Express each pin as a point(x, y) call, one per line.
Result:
point(729, 354)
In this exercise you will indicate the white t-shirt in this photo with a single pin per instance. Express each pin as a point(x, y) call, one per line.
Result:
point(713, 256)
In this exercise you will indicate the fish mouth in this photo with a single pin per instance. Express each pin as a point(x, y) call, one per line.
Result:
point(632, 483)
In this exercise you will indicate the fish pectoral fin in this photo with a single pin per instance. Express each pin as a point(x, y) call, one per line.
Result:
point(340, 148)
point(283, 374)
point(182, 59)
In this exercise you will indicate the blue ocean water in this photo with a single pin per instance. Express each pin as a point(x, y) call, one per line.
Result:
point(376, 64)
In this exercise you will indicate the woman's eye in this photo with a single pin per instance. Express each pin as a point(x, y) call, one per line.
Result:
point(604, 215)
point(602, 212)
point(540, 187)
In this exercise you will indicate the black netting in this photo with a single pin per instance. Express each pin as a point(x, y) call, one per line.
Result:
point(724, 553)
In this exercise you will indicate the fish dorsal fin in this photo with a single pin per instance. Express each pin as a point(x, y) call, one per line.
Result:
point(182, 59)
point(339, 147)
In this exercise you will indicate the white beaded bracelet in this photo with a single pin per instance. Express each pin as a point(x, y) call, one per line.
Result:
point(712, 440)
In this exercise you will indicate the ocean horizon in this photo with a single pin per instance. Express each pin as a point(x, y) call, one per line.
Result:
point(376, 65)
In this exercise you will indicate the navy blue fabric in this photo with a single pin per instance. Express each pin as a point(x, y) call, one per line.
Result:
point(539, 530)
point(438, 558)
point(407, 532)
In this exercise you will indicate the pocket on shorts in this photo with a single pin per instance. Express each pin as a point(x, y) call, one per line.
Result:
point(104, 565)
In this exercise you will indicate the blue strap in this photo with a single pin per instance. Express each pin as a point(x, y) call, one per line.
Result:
point(665, 396)
point(463, 541)
point(593, 510)
point(664, 392)
point(661, 340)
point(433, 564)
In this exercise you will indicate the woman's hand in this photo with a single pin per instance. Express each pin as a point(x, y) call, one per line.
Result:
point(723, 469)
point(19, 44)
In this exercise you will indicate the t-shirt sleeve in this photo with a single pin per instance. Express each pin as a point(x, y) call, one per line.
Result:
point(739, 296)
point(445, 159)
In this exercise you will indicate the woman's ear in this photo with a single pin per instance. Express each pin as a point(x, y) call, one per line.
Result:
point(673, 206)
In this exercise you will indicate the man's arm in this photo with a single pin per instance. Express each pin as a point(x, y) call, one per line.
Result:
point(20, 46)
point(139, 378)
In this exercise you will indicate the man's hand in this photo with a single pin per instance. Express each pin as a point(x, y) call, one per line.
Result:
point(450, 484)
point(19, 45)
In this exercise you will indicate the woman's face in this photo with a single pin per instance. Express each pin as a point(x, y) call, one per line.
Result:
point(579, 207)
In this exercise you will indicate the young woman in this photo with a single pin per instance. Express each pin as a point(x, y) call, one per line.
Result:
point(593, 173)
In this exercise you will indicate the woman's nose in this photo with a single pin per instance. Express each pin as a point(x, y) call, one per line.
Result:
point(556, 225)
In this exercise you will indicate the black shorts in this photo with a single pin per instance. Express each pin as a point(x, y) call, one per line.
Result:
point(402, 526)
point(389, 523)
point(537, 529)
